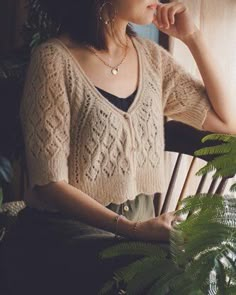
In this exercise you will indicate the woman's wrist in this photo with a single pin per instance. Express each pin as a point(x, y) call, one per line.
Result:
point(192, 39)
point(126, 227)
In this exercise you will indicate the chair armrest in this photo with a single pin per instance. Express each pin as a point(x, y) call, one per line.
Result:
point(185, 139)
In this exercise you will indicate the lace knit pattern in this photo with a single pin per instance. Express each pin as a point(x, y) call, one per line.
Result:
point(73, 133)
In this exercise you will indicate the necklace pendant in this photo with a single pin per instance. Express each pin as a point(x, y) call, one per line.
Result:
point(115, 71)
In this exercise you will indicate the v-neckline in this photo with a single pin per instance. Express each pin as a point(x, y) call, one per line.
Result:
point(96, 92)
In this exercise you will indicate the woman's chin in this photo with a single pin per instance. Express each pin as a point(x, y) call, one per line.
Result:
point(144, 22)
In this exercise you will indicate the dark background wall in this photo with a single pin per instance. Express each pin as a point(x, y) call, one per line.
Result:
point(12, 17)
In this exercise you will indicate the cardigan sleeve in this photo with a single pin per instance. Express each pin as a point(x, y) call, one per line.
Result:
point(45, 117)
point(185, 98)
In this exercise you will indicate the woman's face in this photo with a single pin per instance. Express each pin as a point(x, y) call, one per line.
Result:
point(140, 12)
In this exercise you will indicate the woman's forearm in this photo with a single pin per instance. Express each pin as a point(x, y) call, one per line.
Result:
point(75, 203)
point(223, 103)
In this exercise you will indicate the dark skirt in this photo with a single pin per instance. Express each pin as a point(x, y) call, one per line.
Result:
point(50, 253)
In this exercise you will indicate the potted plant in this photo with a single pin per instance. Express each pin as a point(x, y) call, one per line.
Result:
point(38, 27)
point(202, 252)
point(13, 67)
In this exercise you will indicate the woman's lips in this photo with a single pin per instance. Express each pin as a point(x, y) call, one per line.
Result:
point(152, 6)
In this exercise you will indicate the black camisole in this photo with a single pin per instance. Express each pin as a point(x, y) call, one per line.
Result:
point(121, 103)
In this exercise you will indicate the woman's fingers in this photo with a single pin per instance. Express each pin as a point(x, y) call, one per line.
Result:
point(158, 16)
point(179, 218)
point(164, 17)
point(165, 14)
point(176, 218)
point(171, 15)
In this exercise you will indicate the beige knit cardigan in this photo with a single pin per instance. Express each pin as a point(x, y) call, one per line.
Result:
point(73, 133)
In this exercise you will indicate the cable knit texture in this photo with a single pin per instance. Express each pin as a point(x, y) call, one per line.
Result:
point(73, 133)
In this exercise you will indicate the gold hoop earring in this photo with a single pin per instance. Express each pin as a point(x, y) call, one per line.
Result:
point(108, 21)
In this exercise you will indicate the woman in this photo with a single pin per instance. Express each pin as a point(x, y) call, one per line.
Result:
point(92, 117)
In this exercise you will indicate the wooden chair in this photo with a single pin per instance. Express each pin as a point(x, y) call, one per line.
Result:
point(185, 140)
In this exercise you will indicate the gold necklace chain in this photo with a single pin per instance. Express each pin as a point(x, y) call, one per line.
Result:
point(114, 69)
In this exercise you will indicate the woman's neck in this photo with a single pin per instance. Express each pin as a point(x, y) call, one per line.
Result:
point(116, 43)
point(116, 40)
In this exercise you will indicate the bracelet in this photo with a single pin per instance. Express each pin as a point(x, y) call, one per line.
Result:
point(135, 228)
point(116, 220)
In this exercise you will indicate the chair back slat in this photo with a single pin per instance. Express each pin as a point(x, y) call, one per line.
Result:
point(213, 185)
point(186, 182)
point(222, 185)
point(171, 185)
point(157, 203)
point(201, 184)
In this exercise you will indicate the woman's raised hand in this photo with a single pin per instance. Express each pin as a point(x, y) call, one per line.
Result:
point(174, 19)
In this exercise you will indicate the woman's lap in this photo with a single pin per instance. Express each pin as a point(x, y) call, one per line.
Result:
point(46, 253)
point(49, 253)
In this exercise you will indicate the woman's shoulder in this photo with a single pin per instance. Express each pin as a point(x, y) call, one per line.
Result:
point(49, 51)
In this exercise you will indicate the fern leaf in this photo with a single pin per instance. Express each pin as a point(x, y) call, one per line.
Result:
point(201, 268)
point(201, 201)
point(226, 172)
point(164, 282)
point(214, 235)
point(148, 274)
point(232, 262)
point(214, 150)
point(220, 276)
point(128, 272)
point(205, 169)
point(219, 137)
point(231, 290)
point(224, 162)
point(133, 248)
point(107, 288)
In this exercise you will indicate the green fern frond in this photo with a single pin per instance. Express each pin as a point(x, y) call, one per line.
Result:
point(164, 282)
point(107, 288)
point(199, 269)
point(205, 169)
point(210, 225)
point(220, 276)
point(141, 281)
point(227, 172)
point(201, 201)
point(226, 164)
point(215, 150)
point(209, 238)
point(231, 262)
point(224, 161)
point(133, 248)
point(128, 272)
point(177, 238)
point(186, 287)
point(231, 290)
point(220, 137)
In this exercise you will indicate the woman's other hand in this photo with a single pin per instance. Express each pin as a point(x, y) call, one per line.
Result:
point(157, 228)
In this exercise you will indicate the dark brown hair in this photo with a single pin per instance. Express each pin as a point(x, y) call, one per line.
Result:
point(80, 20)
